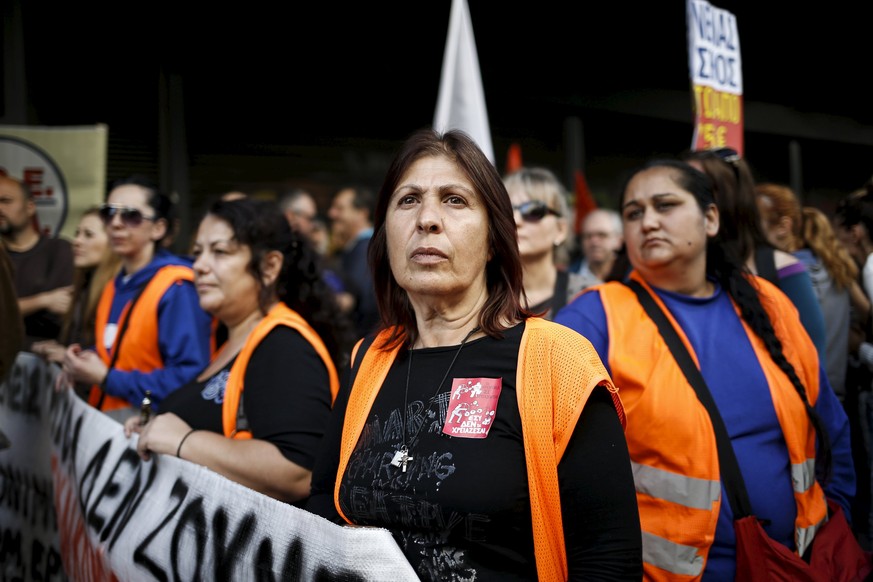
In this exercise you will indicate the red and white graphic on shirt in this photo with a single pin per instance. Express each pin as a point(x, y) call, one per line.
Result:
point(472, 407)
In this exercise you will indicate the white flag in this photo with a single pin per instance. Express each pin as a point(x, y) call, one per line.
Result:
point(461, 101)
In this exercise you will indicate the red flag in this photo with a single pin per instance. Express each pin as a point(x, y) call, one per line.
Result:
point(513, 158)
point(585, 202)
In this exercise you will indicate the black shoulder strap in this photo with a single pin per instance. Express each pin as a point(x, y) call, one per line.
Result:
point(117, 343)
point(242, 421)
point(727, 460)
point(559, 297)
point(765, 263)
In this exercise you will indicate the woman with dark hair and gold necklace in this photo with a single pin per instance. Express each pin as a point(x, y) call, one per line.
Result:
point(489, 442)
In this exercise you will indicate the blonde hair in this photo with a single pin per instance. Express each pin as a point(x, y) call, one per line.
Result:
point(88, 284)
point(818, 235)
point(542, 185)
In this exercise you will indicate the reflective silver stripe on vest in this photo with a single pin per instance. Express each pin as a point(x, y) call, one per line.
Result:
point(803, 475)
point(688, 491)
point(805, 535)
point(672, 557)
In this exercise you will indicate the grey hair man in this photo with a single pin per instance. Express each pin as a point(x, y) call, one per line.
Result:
point(300, 210)
point(601, 240)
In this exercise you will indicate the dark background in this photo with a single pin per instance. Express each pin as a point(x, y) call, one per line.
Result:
point(316, 94)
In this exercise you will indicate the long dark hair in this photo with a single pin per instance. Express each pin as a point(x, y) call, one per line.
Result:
point(260, 226)
point(729, 270)
point(503, 272)
point(733, 188)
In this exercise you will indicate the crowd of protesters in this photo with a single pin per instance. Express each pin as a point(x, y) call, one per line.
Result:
point(328, 322)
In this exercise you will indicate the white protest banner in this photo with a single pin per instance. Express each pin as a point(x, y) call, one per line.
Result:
point(121, 518)
point(716, 77)
point(65, 168)
point(461, 99)
point(29, 545)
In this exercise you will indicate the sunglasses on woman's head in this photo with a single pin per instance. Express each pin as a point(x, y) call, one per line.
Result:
point(534, 211)
point(129, 216)
point(729, 155)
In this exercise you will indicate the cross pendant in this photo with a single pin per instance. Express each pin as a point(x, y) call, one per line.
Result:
point(401, 458)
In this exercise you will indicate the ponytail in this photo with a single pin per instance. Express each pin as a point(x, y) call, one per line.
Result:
point(739, 285)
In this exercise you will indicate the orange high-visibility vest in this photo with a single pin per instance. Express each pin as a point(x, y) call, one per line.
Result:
point(139, 346)
point(280, 314)
point(672, 443)
point(557, 370)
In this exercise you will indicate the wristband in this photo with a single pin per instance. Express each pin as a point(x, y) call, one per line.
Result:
point(182, 442)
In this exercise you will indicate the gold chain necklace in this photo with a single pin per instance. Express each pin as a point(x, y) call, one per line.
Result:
point(402, 457)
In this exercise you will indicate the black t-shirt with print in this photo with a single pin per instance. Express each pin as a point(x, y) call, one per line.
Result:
point(461, 511)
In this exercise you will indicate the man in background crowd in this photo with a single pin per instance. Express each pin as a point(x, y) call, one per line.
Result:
point(351, 228)
point(300, 210)
point(42, 265)
point(601, 240)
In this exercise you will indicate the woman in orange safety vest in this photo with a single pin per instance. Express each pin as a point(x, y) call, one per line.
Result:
point(787, 428)
point(257, 412)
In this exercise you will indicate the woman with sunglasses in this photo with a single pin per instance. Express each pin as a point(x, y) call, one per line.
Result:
point(286, 337)
point(539, 203)
point(789, 432)
point(151, 334)
point(734, 189)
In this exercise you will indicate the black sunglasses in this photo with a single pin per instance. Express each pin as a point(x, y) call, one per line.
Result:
point(729, 155)
point(129, 216)
point(534, 211)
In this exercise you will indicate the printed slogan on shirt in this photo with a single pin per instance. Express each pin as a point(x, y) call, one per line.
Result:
point(472, 407)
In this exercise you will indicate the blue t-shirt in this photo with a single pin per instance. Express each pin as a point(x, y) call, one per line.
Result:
point(184, 334)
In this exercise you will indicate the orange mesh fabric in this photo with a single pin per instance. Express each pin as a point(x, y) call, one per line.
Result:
point(372, 372)
point(557, 370)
